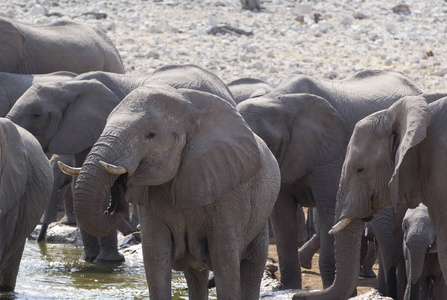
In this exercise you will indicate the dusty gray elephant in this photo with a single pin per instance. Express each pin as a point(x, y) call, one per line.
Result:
point(204, 183)
point(308, 134)
point(25, 187)
point(37, 49)
point(68, 117)
point(425, 279)
point(12, 86)
point(394, 155)
point(245, 88)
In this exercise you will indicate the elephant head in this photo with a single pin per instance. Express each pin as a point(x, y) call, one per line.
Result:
point(193, 143)
point(301, 130)
point(65, 117)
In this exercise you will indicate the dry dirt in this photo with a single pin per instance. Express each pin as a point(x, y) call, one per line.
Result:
point(312, 280)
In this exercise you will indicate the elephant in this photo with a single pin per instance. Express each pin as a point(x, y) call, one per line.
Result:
point(12, 86)
point(245, 88)
point(306, 122)
point(38, 49)
point(68, 117)
point(422, 265)
point(204, 183)
point(25, 186)
point(395, 155)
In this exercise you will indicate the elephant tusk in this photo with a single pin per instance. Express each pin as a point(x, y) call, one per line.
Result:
point(68, 170)
point(340, 226)
point(116, 170)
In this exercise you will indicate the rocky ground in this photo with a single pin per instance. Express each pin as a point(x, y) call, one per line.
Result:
point(332, 38)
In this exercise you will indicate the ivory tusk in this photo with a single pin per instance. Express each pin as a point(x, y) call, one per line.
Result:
point(340, 226)
point(116, 170)
point(68, 170)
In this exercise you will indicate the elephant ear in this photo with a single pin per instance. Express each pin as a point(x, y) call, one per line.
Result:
point(317, 135)
point(410, 118)
point(90, 103)
point(221, 153)
point(11, 41)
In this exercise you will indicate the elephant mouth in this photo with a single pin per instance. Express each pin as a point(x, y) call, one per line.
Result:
point(118, 191)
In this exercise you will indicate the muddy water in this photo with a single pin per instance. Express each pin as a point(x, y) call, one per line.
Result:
point(52, 271)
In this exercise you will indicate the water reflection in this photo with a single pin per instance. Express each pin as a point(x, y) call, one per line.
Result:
point(52, 271)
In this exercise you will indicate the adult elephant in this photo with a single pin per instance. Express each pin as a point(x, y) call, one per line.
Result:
point(245, 88)
point(394, 155)
point(37, 49)
point(421, 256)
point(12, 86)
point(68, 118)
point(204, 183)
point(307, 122)
point(25, 186)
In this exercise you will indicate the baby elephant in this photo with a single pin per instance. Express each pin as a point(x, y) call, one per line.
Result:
point(26, 182)
point(425, 280)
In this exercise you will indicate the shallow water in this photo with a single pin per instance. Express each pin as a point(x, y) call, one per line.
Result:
point(52, 271)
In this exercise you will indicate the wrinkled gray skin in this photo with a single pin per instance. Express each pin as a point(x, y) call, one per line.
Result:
point(423, 271)
point(386, 229)
point(394, 155)
point(61, 189)
point(307, 122)
point(25, 187)
point(68, 117)
point(12, 86)
point(204, 184)
point(245, 88)
point(39, 49)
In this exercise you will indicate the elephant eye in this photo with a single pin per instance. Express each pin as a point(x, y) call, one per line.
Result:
point(150, 135)
point(35, 116)
point(360, 170)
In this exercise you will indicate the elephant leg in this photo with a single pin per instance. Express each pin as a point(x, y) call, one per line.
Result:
point(8, 274)
point(307, 251)
point(91, 246)
point(253, 265)
point(369, 260)
point(108, 249)
point(197, 283)
point(67, 196)
point(327, 252)
point(439, 287)
point(302, 231)
point(285, 225)
point(157, 255)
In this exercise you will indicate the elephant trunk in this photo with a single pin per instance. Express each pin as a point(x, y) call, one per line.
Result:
point(347, 257)
point(97, 212)
point(417, 250)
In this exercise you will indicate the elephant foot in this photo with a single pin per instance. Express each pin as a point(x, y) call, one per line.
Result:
point(114, 257)
point(87, 258)
point(69, 219)
point(306, 264)
point(367, 273)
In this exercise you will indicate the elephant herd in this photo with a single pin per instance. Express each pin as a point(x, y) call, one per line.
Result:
point(208, 163)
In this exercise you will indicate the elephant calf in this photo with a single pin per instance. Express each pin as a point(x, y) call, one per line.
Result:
point(424, 276)
point(205, 186)
point(26, 182)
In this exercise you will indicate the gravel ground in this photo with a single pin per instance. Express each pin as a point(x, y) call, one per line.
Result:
point(331, 39)
point(282, 38)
